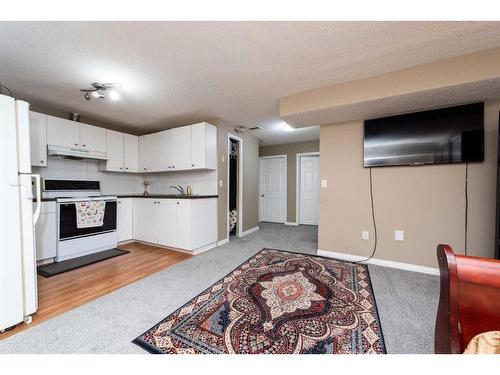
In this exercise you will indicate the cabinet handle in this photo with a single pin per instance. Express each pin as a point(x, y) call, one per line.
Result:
point(121, 168)
point(177, 202)
point(41, 162)
point(126, 168)
point(192, 165)
point(76, 144)
point(145, 169)
point(84, 145)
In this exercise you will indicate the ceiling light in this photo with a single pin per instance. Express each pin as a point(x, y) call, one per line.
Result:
point(287, 127)
point(114, 94)
point(98, 90)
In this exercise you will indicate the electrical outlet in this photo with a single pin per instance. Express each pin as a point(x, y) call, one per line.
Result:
point(399, 235)
point(324, 183)
point(220, 183)
point(365, 235)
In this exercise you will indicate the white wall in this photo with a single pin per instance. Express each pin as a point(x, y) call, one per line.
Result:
point(202, 182)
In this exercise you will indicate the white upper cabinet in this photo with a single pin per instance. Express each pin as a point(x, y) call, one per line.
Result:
point(148, 153)
point(114, 145)
point(180, 148)
point(61, 132)
point(130, 153)
point(92, 138)
point(203, 146)
point(66, 133)
point(38, 139)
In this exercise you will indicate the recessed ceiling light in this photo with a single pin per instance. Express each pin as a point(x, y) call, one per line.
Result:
point(287, 127)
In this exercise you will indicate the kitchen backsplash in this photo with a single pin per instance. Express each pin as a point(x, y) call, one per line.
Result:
point(202, 182)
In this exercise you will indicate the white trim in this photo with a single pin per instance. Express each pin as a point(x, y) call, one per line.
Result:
point(285, 202)
point(197, 251)
point(240, 184)
point(297, 182)
point(247, 232)
point(379, 262)
point(223, 242)
point(291, 223)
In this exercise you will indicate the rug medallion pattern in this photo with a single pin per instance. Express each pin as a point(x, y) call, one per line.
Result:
point(276, 302)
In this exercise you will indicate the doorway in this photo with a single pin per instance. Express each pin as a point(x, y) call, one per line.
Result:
point(307, 188)
point(273, 183)
point(234, 186)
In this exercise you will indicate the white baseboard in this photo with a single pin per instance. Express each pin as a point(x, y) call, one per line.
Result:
point(294, 223)
point(247, 232)
point(379, 262)
point(223, 242)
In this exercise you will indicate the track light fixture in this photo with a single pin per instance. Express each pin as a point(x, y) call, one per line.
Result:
point(98, 91)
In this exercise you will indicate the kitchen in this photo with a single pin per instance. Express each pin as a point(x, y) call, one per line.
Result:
point(157, 189)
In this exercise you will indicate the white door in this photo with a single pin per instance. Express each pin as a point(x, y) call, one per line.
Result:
point(180, 148)
point(309, 190)
point(38, 139)
point(273, 189)
point(92, 138)
point(148, 152)
point(167, 220)
point(124, 219)
point(61, 132)
point(145, 216)
point(114, 146)
point(130, 153)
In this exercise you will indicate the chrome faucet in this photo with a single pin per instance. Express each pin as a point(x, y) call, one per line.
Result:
point(179, 188)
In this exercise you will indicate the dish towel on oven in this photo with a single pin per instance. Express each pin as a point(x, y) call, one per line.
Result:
point(90, 214)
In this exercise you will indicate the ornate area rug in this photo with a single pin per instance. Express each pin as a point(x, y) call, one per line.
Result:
point(276, 302)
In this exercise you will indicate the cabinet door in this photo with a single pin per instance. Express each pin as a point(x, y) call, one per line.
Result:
point(180, 148)
point(45, 231)
point(203, 146)
point(61, 132)
point(148, 152)
point(92, 138)
point(114, 147)
point(145, 222)
point(183, 227)
point(124, 219)
point(163, 160)
point(130, 153)
point(167, 220)
point(38, 139)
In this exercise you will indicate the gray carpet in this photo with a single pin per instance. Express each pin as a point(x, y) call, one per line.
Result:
point(407, 301)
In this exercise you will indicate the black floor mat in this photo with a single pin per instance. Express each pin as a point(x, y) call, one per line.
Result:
point(60, 267)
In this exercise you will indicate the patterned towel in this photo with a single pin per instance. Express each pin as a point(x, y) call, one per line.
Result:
point(90, 214)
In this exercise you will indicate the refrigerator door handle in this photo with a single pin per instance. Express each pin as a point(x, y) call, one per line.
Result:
point(36, 214)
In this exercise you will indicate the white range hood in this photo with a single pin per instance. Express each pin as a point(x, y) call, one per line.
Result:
point(76, 153)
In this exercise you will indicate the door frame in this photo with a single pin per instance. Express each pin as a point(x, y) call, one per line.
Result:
point(239, 229)
point(285, 204)
point(298, 172)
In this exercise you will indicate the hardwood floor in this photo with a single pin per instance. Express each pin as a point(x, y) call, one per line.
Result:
point(66, 291)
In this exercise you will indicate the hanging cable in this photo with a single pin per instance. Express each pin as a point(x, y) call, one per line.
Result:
point(466, 205)
point(6, 88)
point(375, 236)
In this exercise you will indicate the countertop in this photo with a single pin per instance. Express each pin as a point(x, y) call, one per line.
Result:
point(153, 196)
point(166, 196)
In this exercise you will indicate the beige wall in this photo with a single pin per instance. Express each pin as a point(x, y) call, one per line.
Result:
point(290, 150)
point(427, 202)
point(250, 177)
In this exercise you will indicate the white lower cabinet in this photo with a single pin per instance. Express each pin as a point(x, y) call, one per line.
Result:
point(124, 219)
point(45, 232)
point(186, 224)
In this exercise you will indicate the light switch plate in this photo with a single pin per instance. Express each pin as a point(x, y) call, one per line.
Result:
point(365, 235)
point(324, 183)
point(399, 235)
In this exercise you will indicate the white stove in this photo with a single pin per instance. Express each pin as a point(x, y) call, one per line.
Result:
point(73, 242)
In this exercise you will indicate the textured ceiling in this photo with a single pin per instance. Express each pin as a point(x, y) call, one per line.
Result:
point(176, 73)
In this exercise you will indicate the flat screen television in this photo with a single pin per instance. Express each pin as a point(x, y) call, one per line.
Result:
point(446, 135)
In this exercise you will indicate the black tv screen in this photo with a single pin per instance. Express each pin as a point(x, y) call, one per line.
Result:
point(447, 135)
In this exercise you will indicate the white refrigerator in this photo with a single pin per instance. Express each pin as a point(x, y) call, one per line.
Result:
point(18, 282)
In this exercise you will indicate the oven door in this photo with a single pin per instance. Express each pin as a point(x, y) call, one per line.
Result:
point(67, 221)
